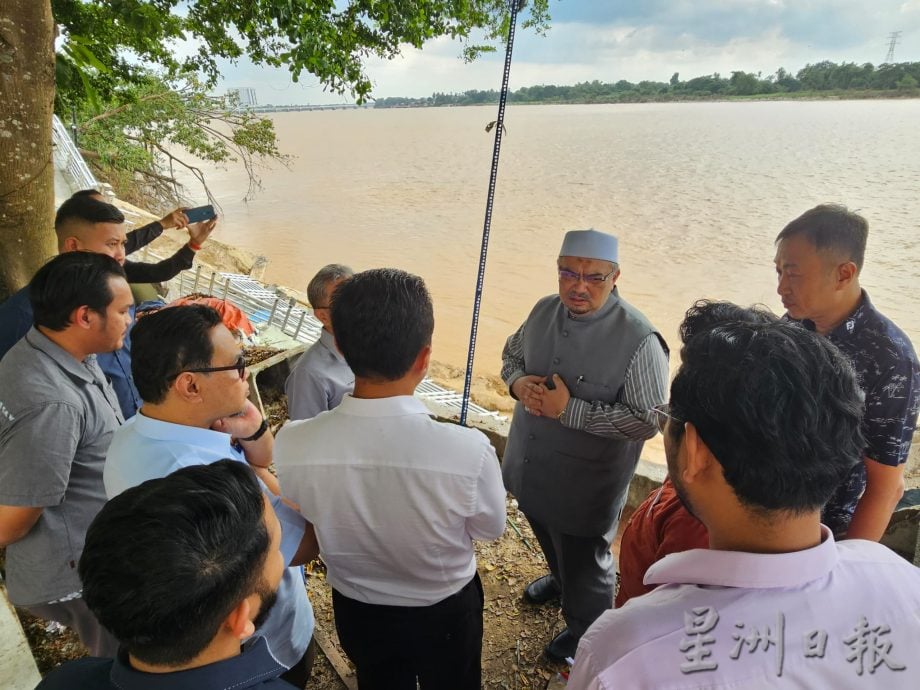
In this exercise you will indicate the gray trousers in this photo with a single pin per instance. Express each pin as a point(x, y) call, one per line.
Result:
point(76, 615)
point(584, 569)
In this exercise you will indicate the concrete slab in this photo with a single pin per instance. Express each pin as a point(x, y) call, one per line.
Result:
point(17, 666)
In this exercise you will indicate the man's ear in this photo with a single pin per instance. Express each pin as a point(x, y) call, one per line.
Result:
point(83, 317)
point(238, 622)
point(698, 458)
point(70, 244)
point(186, 386)
point(846, 274)
point(324, 316)
point(422, 360)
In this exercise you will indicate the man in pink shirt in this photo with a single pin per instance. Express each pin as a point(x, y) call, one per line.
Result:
point(763, 423)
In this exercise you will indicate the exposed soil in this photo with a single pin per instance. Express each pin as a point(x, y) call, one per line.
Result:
point(257, 353)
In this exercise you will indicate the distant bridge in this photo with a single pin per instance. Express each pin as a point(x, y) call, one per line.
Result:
point(300, 108)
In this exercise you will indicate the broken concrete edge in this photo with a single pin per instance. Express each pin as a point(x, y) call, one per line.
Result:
point(17, 665)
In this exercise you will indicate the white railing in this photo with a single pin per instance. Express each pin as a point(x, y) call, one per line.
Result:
point(295, 319)
point(68, 159)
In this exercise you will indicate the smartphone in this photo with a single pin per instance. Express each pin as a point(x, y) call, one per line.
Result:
point(200, 213)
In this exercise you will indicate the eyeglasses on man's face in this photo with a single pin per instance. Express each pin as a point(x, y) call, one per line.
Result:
point(567, 276)
point(663, 414)
point(240, 367)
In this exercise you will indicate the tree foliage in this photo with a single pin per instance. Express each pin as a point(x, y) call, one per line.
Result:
point(820, 77)
point(138, 137)
point(328, 39)
point(115, 57)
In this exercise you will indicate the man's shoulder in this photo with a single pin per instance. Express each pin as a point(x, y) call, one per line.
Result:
point(545, 304)
point(134, 457)
point(881, 340)
point(87, 674)
point(316, 349)
point(460, 436)
point(31, 378)
point(16, 303)
point(872, 555)
point(313, 362)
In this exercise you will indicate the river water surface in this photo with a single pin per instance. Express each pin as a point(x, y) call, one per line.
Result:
point(695, 192)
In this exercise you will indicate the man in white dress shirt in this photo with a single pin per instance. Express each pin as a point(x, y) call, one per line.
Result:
point(396, 498)
point(321, 377)
point(763, 425)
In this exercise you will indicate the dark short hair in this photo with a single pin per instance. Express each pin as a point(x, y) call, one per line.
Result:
point(833, 227)
point(170, 341)
point(87, 192)
point(84, 208)
point(778, 406)
point(316, 290)
point(705, 314)
point(166, 561)
point(70, 281)
point(383, 318)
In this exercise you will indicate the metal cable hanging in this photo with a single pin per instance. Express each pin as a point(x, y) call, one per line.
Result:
point(516, 5)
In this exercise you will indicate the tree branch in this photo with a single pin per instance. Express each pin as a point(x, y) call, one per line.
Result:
point(123, 108)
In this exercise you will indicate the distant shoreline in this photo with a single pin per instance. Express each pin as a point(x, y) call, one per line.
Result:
point(843, 95)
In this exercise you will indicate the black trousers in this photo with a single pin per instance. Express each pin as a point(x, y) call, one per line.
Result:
point(391, 647)
point(299, 673)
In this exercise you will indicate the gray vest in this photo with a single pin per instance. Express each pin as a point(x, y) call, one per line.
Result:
point(570, 480)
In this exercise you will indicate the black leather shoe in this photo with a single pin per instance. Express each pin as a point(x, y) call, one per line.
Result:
point(562, 647)
point(541, 590)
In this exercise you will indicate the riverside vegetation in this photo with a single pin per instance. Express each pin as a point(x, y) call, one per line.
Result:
point(821, 80)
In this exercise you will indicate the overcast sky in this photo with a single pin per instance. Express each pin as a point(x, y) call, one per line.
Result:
point(635, 40)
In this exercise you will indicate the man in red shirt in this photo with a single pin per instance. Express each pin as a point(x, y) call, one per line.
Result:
point(660, 525)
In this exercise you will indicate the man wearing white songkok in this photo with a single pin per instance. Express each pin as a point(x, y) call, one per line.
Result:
point(586, 369)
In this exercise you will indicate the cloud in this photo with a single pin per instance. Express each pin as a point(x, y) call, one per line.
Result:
point(635, 40)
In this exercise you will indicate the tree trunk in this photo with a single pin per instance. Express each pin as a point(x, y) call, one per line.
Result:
point(26, 167)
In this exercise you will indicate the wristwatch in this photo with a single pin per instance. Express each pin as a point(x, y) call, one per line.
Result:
point(263, 427)
point(562, 413)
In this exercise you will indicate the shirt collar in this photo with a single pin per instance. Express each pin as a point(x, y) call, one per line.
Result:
point(748, 570)
point(66, 361)
point(395, 406)
point(180, 433)
point(855, 321)
point(851, 324)
point(253, 666)
point(327, 340)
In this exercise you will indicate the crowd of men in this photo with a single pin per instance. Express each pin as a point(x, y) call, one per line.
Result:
point(145, 503)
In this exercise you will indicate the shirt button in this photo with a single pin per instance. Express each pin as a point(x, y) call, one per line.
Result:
point(526, 460)
point(565, 334)
point(531, 437)
point(555, 360)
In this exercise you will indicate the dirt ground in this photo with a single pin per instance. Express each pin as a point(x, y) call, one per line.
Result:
point(513, 639)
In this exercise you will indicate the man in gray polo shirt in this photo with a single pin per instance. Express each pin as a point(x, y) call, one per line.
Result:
point(321, 377)
point(57, 416)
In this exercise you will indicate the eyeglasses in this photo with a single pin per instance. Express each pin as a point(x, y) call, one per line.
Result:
point(240, 367)
point(567, 276)
point(663, 414)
